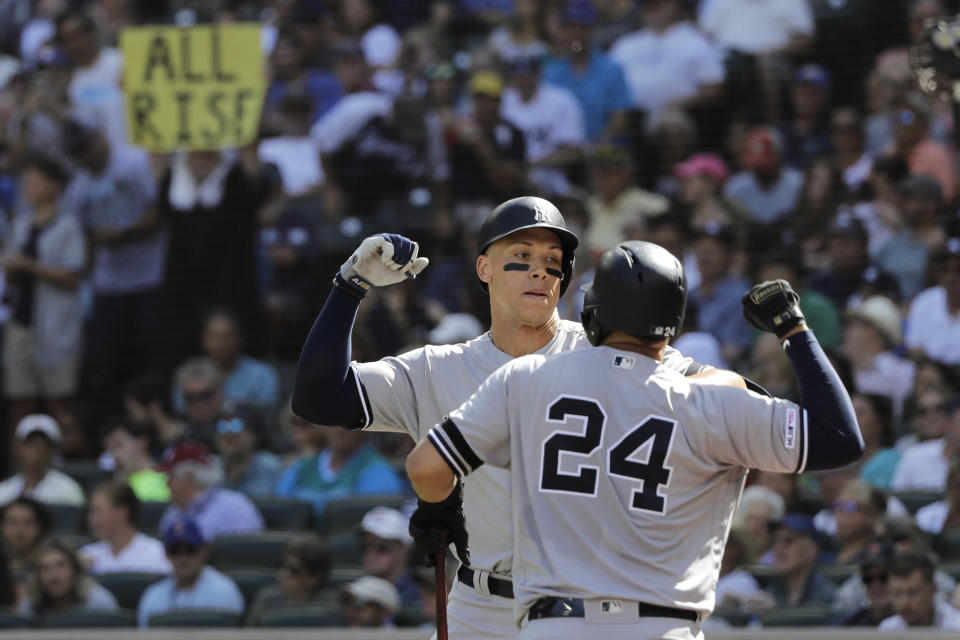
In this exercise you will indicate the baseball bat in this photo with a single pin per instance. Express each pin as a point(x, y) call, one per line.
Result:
point(440, 573)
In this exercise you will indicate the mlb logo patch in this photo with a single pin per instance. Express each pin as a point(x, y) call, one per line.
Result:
point(624, 362)
point(790, 433)
point(611, 606)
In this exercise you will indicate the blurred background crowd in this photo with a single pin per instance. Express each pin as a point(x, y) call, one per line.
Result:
point(153, 305)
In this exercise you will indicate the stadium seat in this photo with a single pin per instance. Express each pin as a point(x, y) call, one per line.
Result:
point(913, 500)
point(251, 581)
point(838, 573)
point(192, 618)
point(285, 514)
point(734, 616)
point(761, 572)
point(301, 617)
point(262, 550)
point(67, 518)
point(13, 620)
point(128, 586)
point(411, 616)
point(802, 616)
point(345, 514)
point(341, 576)
point(87, 474)
point(947, 545)
point(150, 515)
point(76, 540)
point(86, 619)
point(346, 549)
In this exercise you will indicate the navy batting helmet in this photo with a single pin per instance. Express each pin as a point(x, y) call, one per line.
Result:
point(529, 212)
point(639, 288)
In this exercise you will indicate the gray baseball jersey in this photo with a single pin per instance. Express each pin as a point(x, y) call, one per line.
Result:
point(625, 474)
point(414, 391)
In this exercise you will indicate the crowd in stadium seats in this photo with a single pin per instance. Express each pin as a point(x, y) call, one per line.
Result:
point(153, 305)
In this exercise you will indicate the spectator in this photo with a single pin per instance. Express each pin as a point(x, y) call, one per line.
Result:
point(95, 77)
point(912, 592)
point(58, 582)
point(764, 28)
point(301, 579)
point(849, 276)
point(386, 551)
point(348, 466)
point(24, 522)
point(244, 380)
point(290, 148)
point(872, 578)
point(870, 340)
point(148, 405)
point(923, 466)
point(194, 584)
point(760, 508)
point(44, 256)
point(247, 468)
point(193, 475)
point(823, 194)
point(291, 74)
point(858, 511)
point(766, 188)
point(487, 153)
point(595, 79)
point(906, 537)
point(944, 515)
point(617, 203)
point(912, 143)
point(737, 589)
point(308, 439)
point(933, 321)
point(806, 135)
point(9, 592)
point(795, 551)
point(129, 449)
point(669, 62)
point(369, 602)
point(113, 516)
point(380, 41)
point(113, 194)
point(552, 122)
point(846, 138)
point(905, 253)
point(521, 34)
point(874, 415)
point(199, 382)
point(37, 438)
point(717, 297)
point(701, 179)
point(879, 206)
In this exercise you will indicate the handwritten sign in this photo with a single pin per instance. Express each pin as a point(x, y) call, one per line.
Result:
point(195, 88)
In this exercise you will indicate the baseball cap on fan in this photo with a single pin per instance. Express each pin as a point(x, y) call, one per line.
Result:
point(386, 523)
point(812, 74)
point(761, 149)
point(371, 590)
point(185, 451)
point(38, 423)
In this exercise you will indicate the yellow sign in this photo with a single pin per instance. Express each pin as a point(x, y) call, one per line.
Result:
point(193, 87)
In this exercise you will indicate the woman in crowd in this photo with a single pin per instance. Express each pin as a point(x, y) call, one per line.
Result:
point(301, 579)
point(23, 523)
point(874, 414)
point(59, 583)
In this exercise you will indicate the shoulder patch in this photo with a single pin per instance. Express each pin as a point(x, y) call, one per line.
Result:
point(624, 362)
point(790, 433)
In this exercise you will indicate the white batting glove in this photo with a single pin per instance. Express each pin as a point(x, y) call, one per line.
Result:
point(379, 261)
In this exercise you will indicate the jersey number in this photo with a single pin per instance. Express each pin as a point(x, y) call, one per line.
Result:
point(653, 473)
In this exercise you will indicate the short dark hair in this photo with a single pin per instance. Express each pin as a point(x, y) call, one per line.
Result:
point(121, 495)
point(49, 167)
point(119, 423)
point(40, 512)
point(312, 551)
point(904, 564)
point(86, 21)
point(151, 387)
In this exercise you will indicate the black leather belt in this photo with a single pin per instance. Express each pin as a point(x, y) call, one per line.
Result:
point(573, 608)
point(496, 586)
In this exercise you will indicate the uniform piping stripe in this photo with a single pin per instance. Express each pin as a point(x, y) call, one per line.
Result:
point(458, 441)
point(803, 444)
point(441, 448)
point(364, 400)
point(455, 455)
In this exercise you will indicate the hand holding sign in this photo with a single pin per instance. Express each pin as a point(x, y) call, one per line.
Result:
point(194, 88)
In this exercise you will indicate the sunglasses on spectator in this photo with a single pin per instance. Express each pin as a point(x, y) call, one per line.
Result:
point(870, 578)
point(933, 408)
point(234, 425)
point(846, 506)
point(293, 568)
point(199, 396)
point(177, 549)
point(379, 547)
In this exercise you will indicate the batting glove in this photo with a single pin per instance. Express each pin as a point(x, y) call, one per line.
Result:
point(380, 260)
point(773, 306)
point(433, 518)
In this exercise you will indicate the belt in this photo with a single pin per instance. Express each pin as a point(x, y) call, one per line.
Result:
point(573, 608)
point(496, 586)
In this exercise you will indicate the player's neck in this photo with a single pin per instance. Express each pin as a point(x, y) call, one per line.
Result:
point(517, 339)
point(626, 342)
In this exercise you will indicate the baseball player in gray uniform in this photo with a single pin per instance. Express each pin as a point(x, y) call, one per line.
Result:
point(625, 475)
point(526, 263)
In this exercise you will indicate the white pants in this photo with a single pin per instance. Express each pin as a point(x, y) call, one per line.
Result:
point(580, 629)
point(472, 615)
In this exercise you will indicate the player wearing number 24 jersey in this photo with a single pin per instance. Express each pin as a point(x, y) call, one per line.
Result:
point(625, 475)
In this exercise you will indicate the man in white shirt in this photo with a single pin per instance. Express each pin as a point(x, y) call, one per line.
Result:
point(933, 322)
point(551, 120)
point(913, 593)
point(36, 440)
point(758, 26)
point(114, 510)
point(669, 62)
point(924, 465)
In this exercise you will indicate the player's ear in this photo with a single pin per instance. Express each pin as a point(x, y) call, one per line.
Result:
point(484, 268)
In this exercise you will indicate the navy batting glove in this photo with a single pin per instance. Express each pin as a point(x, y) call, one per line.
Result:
point(403, 247)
